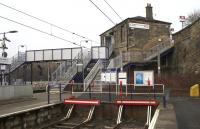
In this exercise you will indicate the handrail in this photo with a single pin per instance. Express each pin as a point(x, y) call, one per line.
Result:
point(116, 62)
point(92, 74)
point(110, 49)
point(71, 72)
point(60, 71)
point(158, 49)
point(140, 56)
point(16, 61)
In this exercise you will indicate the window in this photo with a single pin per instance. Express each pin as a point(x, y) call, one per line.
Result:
point(122, 33)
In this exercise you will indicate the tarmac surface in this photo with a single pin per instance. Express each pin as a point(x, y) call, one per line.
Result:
point(187, 112)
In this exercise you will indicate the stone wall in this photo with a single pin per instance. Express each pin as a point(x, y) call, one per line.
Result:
point(32, 119)
point(127, 39)
point(186, 54)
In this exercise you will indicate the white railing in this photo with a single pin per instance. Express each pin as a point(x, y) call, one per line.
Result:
point(16, 61)
point(92, 74)
point(60, 71)
point(86, 57)
point(71, 72)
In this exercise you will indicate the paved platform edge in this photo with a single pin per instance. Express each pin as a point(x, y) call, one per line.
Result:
point(167, 117)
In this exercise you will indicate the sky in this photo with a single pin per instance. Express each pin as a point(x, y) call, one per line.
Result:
point(80, 17)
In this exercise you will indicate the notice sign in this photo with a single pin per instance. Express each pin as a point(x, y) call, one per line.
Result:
point(109, 77)
point(139, 26)
point(143, 78)
point(122, 77)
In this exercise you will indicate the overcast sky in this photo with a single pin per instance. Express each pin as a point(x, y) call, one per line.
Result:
point(81, 17)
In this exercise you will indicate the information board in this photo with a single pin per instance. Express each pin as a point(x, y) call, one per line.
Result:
point(143, 78)
point(109, 77)
point(122, 77)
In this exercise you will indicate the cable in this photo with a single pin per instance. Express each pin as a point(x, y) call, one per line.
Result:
point(41, 31)
point(51, 24)
point(102, 12)
point(113, 9)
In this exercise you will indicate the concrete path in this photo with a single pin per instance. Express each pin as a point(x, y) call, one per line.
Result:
point(166, 118)
point(187, 112)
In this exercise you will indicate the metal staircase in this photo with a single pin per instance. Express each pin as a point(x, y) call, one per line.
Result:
point(89, 78)
point(73, 69)
point(61, 70)
point(17, 61)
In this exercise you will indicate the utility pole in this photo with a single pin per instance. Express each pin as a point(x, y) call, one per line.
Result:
point(3, 59)
point(182, 20)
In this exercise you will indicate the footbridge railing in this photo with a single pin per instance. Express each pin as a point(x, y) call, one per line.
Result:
point(97, 67)
point(71, 72)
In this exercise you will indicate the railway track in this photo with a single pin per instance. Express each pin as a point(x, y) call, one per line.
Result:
point(95, 124)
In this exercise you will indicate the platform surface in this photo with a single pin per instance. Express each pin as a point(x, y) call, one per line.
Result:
point(16, 105)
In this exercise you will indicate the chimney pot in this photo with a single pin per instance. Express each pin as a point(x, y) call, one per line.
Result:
point(149, 12)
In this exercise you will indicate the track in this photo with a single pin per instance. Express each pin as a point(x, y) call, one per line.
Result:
point(95, 124)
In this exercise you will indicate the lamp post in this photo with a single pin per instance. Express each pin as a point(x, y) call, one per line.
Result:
point(21, 46)
point(3, 47)
point(4, 54)
point(82, 46)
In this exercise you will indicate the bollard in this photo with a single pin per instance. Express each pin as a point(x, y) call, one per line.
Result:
point(90, 96)
point(154, 92)
point(109, 93)
point(164, 101)
point(72, 90)
point(121, 92)
point(48, 94)
point(60, 92)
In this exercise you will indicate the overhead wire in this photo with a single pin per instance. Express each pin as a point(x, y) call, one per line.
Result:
point(51, 24)
point(113, 10)
point(41, 31)
point(103, 12)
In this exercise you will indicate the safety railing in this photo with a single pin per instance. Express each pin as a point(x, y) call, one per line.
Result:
point(157, 89)
point(92, 74)
point(16, 61)
point(158, 49)
point(136, 56)
point(116, 62)
point(60, 71)
point(113, 91)
point(110, 49)
point(140, 56)
point(71, 72)
point(86, 57)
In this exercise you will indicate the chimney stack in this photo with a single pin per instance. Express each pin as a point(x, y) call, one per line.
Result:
point(149, 12)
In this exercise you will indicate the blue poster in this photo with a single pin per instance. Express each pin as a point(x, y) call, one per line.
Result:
point(139, 78)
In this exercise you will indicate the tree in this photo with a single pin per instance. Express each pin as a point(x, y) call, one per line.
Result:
point(193, 16)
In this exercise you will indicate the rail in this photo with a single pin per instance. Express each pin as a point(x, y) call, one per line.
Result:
point(60, 71)
point(158, 49)
point(92, 74)
point(71, 72)
point(16, 61)
point(116, 62)
point(110, 49)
